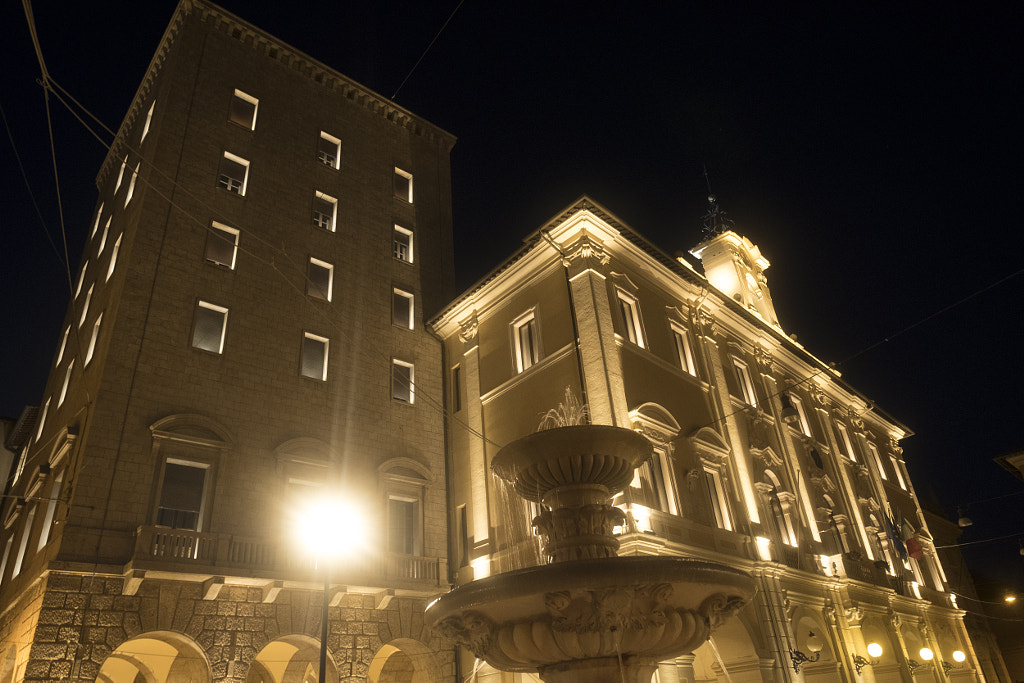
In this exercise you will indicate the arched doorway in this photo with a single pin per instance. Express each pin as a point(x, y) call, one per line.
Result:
point(156, 657)
point(403, 660)
point(290, 659)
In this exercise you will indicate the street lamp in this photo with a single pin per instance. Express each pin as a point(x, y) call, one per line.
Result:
point(329, 528)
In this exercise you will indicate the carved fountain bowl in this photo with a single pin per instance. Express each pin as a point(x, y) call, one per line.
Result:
point(542, 618)
point(584, 455)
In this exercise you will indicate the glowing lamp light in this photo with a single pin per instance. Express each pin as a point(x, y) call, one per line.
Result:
point(926, 654)
point(959, 656)
point(874, 649)
point(330, 528)
point(1011, 598)
point(814, 643)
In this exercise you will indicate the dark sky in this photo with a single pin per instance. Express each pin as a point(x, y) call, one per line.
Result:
point(872, 153)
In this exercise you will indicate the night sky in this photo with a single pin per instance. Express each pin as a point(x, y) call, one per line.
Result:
point(873, 155)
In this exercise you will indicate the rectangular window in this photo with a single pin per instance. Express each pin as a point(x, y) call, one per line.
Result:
point(325, 211)
point(23, 543)
point(67, 383)
point(181, 495)
point(745, 383)
point(631, 318)
point(462, 529)
point(402, 244)
point(149, 121)
point(314, 356)
point(717, 495)
point(51, 508)
point(42, 419)
point(845, 443)
point(877, 459)
point(402, 309)
point(527, 349)
point(211, 324)
point(805, 426)
point(320, 283)
point(131, 184)
point(402, 534)
point(92, 340)
point(403, 378)
point(103, 238)
point(81, 280)
point(684, 352)
point(7, 555)
point(328, 150)
point(113, 256)
point(898, 471)
point(222, 245)
point(85, 306)
point(96, 225)
point(120, 175)
point(403, 185)
point(63, 344)
point(243, 110)
point(456, 389)
point(234, 174)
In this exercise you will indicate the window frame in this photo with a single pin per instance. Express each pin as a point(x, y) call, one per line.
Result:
point(81, 279)
point(455, 390)
point(321, 154)
point(876, 456)
point(312, 289)
point(96, 224)
point(85, 306)
point(715, 488)
point(684, 349)
point(243, 183)
point(407, 194)
point(66, 384)
point(149, 121)
point(46, 528)
point(319, 217)
point(249, 99)
point(42, 420)
point(63, 345)
point(206, 305)
point(120, 175)
point(900, 479)
point(202, 515)
point(103, 237)
point(629, 310)
point(325, 343)
point(526, 322)
point(745, 382)
point(801, 413)
point(408, 395)
point(846, 442)
point(113, 257)
point(408, 246)
point(410, 298)
point(131, 184)
point(214, 232)
point(91, 350)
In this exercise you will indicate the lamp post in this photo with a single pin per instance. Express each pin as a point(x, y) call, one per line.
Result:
point(328, 528)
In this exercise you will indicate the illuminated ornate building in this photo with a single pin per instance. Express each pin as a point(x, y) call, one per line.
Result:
point(246, 333)
point(765, 459)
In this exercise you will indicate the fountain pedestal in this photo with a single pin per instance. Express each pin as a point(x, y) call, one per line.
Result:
point(588, 615)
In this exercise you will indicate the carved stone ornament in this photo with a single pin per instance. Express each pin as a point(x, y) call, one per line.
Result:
point(586, 252)
point(854, 615)
point(895, 620)
point(764, 359)
point(758, 428)
point(830, 613)
point(708, 323)
point(692, 477)
point(610, 609)
point(894, 446)
point(818, 395)
point(766, 456)
point(468, 328)
point(764, 490)
point(472, 630)
point(718, 608)
point(855, 419)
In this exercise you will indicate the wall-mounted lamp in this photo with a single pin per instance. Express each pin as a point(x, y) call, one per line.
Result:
point(946, 667)
point(789, 414)
point(959, 656)
point(814, 646)
point(963, 521)
point(874, 651)
point(926, 654)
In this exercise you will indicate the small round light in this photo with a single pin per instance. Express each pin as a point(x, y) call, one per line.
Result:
point(926, 654)
point(874, 649)
point(814, 643)
point(959, 656)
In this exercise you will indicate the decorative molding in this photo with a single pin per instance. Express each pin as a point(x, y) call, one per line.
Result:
point(468, 328)
point(472, 630)
point(764, 359)
point(854, 616)
point(586, 253)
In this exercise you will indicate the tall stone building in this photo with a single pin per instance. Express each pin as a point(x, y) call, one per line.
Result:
point(765, 458)
point(246, 334)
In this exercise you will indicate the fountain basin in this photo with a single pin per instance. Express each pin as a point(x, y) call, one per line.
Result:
point(591, 617)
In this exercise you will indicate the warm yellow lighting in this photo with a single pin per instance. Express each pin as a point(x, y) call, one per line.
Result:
point(814, 643)
point(874, 649)
point(926, 654)
point(1011, 598)
point(331, 528)
point(481, 568)
point(916, 587)
point(959, 656)
point(641, 517)
point(764, 548)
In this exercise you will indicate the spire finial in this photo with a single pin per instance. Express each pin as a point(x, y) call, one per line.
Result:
point(715, 222)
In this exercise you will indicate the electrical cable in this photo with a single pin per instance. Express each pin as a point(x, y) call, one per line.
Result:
point(443, 26)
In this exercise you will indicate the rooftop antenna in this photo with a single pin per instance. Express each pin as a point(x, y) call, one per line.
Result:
point(715, 221)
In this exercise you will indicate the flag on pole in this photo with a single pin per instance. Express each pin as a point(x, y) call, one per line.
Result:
point(894, 535)
point(914, 548)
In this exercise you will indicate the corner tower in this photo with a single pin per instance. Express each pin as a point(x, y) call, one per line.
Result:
point(735, 266)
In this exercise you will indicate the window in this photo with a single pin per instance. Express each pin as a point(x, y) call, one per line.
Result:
point(67, 382)
point(7, 555)
point(746, 385)
point(462, 535)
point(81, 280)
point(898, 471)
point(113, 256)
point(716, 492)
point(845, 444)
point(320, 282)
point(85, 306)
point(234, 174)
point(402, 381)
point(403, 185)
point(63, 344)
point(211, 324)
point(402, 248)
point(42, 419)
point(877, 459)
point(103, 238)
point(222, 245)
point(51, 508)
point(314, 356)
point(804, 425)
point(524, 331)
point(653, 483)
point(456, 389)
point(96, 225)
point(328, 150)
point(149, 121)
point(402, 309)
point(402, 535)
point(631, 318)
point(684, 353)
point(243, 110)
point(131, 184)
point(120, 175)
point(181, 495)
point(92, 340)
point(325, 211)
point(23, 543)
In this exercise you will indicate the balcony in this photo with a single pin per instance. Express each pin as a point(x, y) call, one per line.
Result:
point(181, 551)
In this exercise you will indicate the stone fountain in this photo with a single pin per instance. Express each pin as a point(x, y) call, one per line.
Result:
point(587, 615)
